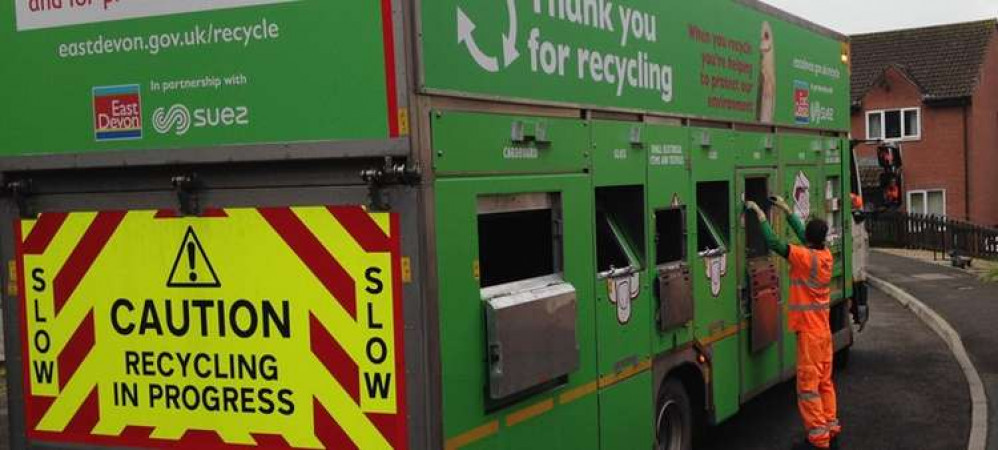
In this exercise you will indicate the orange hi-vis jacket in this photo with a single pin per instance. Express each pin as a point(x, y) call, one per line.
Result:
point(810, 289)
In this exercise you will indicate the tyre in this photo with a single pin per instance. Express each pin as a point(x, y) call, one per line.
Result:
point(674, 418)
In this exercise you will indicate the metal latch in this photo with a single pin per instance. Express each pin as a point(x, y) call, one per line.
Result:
point(186, 188)
point(20, 190)
point(390, 173)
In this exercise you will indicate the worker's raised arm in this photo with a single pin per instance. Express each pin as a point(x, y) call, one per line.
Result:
point(797, 226)
point(792, 219)
point(772, 241)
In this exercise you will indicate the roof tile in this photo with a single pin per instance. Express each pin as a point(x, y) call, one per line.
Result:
point(943, 60)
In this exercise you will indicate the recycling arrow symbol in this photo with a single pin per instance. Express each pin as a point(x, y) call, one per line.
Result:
point(465, 35)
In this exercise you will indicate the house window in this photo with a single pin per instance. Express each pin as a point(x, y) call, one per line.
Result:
point(894, 124)
point(929, 202)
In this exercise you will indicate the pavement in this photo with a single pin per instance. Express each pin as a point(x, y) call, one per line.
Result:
point(902, 389)
point(967, 303)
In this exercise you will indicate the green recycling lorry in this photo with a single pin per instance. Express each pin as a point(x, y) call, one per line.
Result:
point(406, 223)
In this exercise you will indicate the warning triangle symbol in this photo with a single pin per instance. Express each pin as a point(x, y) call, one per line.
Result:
point(191, 268)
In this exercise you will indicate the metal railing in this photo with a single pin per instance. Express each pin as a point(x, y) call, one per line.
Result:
point(933, 233)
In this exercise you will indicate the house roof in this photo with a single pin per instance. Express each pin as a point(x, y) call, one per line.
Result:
point(943, 61)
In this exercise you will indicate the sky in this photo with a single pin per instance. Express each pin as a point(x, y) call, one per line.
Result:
point(864, 16)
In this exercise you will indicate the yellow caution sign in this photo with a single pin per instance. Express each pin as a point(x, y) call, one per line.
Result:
point(271, 327)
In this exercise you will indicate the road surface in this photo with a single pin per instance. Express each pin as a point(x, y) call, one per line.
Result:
point(902, 390)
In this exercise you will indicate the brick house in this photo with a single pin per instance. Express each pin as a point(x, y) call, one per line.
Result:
point(935, 90)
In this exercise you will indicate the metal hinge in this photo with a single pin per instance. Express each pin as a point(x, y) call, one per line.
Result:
point(390, 173)
point(20, 191)
point(186, 188)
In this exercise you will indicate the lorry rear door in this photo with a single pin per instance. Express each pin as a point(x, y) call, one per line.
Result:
point(717, 321)
point(514, 246)
point(760, 301)
point(837, 206)
point(803, 188)
point(674, 216)
point(623, 285)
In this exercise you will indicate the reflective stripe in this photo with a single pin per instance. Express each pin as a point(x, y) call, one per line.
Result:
point(811, 307)
point(809, 396)
point(811, 284)
point(819, 431)
point(834, 424)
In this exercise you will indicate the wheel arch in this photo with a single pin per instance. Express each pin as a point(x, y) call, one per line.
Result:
point(686, 367)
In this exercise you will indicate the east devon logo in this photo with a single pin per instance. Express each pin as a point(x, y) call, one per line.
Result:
point(117, 113)
point(802, 102)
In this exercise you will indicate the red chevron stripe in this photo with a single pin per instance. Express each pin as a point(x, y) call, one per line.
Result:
point(329, 432)
point(388, 425)
point(76, 350)
point(83, 256)
point(314, 255)
point(87, 416)
point(362, 228)
point(271, 441)
point(336, 360)
point(36, 407)
point(43, 232)
point(135, 433)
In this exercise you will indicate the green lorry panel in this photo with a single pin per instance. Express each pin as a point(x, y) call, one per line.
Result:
point(715, 58)
point(589, 163)
point(482, 144)
point(757, 150)
point(624, 314)
point(134, 77)
point(617, 161)
point(461, 312)
point(724, 385)
point(668, 151)
point(714, 279)
point(799, 149)
point(623, 327)
point(629, 406)
point(714, 153)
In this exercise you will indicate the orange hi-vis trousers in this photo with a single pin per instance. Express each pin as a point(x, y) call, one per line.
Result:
point(815, 390)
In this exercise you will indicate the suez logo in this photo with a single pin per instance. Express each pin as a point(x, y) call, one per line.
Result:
point(179, 119)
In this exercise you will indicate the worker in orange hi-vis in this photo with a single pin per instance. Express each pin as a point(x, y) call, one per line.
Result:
point(810, 296)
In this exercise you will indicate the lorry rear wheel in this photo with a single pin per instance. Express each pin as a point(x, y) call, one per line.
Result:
point(674, 420)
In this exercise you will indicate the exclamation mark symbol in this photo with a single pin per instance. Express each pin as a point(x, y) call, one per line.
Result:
point(191, 248)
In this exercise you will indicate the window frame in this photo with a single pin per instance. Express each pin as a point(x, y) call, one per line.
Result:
point(500, 204)
point(882, 113)
point(925, 195)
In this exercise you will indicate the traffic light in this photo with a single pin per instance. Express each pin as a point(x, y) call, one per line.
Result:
point(889, 157)
point(892, 180)
point(892, 185)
